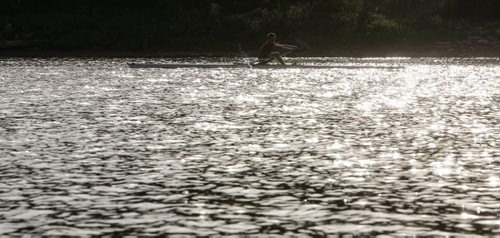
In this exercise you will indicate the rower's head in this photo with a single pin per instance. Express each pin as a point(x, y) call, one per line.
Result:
point(271, 36)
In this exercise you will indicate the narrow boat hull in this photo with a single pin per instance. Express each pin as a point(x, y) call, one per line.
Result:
point(257, 66)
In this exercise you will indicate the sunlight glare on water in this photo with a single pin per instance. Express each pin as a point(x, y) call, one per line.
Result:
point(92, 147)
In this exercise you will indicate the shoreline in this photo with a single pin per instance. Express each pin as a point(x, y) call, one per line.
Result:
point(355, 52)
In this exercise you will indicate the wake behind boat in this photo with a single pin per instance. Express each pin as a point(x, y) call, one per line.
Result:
point(256, 66)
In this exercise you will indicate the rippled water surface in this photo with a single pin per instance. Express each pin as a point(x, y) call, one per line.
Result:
point(91, 147)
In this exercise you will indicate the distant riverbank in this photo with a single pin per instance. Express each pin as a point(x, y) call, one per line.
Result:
point(454, 28)
point(439, 49)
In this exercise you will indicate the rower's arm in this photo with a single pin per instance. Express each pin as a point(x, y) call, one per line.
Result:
point(287, 47)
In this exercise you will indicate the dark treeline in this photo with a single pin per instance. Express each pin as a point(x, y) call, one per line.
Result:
point(226, 25)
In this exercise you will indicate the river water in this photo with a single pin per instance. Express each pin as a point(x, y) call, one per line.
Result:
point(90, 147)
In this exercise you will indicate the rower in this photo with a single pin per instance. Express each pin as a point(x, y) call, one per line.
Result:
point(268, 51)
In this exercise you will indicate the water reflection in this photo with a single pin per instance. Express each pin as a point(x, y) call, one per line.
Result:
point(91, 147)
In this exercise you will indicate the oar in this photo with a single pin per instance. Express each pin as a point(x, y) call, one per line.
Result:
point(271, 59)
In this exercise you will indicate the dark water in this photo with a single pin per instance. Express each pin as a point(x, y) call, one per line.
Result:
point(91, 147)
